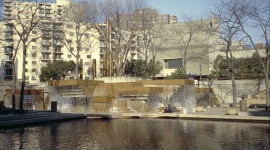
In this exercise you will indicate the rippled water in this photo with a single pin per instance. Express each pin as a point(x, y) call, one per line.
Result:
point(137, 134)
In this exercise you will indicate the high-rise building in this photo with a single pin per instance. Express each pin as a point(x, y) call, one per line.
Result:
point(55, 38)
point(46, 39)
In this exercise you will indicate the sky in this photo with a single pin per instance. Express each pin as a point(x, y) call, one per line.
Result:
point(192, 8)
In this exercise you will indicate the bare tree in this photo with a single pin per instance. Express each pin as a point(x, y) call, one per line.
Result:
point(227, 32)
point(255, 14)
point(25, 19)
point(119, 15)
point(82, 17)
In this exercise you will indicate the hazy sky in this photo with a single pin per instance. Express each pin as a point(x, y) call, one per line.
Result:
point(194, 8)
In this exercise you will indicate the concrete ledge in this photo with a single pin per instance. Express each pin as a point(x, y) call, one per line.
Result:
point(12, 120)
point(234, 118)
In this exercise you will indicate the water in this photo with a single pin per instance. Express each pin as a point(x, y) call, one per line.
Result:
point(137, 134)
point(180, 97)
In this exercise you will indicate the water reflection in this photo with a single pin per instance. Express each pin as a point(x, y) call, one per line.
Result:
point(138, 134)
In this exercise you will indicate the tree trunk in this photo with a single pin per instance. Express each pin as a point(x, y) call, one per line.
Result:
point(231, 70)
point(267, 78)
point(23, 78)
point(13, 97)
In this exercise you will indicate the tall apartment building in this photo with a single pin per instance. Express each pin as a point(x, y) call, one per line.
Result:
point(55, 38)
point(46, 41)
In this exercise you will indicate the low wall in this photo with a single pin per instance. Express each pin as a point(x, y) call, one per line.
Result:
point(118, 79)
point(223, 89)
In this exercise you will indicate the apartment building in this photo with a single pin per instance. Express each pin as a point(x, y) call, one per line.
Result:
point(47, 40)
point(55, 38)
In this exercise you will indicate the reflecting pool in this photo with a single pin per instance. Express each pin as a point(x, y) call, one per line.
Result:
point(137, 134)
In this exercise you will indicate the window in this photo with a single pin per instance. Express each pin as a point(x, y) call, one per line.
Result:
point(26, 70)
point(58, 57)
point(69, 56)
point(34, 70)
point(89, 71)
point(59, 11)
point(173, 63)
point(34, 62)
point(47, 11)
point(34, 54)
point(87, 63)
point(69, 41)
point(45, 56)
point(88, 56)
point(26, 62)
point(9, 27)
point(33, 77)
point(58, 49)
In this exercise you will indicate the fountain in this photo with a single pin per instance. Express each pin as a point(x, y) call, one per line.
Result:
point(139, 96)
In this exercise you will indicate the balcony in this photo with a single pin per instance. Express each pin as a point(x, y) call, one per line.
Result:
point(46, 44)
point(8, 51)
point(46, 28)
point(8, 58)
point(58, 28)
point(102, 45)
point(7, 13)
point(46, 35)
point(9, 31)
point(7, 5)
point(45, 51)
point(58, 58)
point(45, 59)
point(58, 52)
point(8, 65)
point(8, 1)
point(9, 40)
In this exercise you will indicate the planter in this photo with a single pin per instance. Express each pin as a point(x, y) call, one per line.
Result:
point(199, 109)
point(232, 111)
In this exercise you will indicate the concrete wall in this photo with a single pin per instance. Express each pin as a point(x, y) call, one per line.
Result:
point(223, 89)
point(118, 79)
